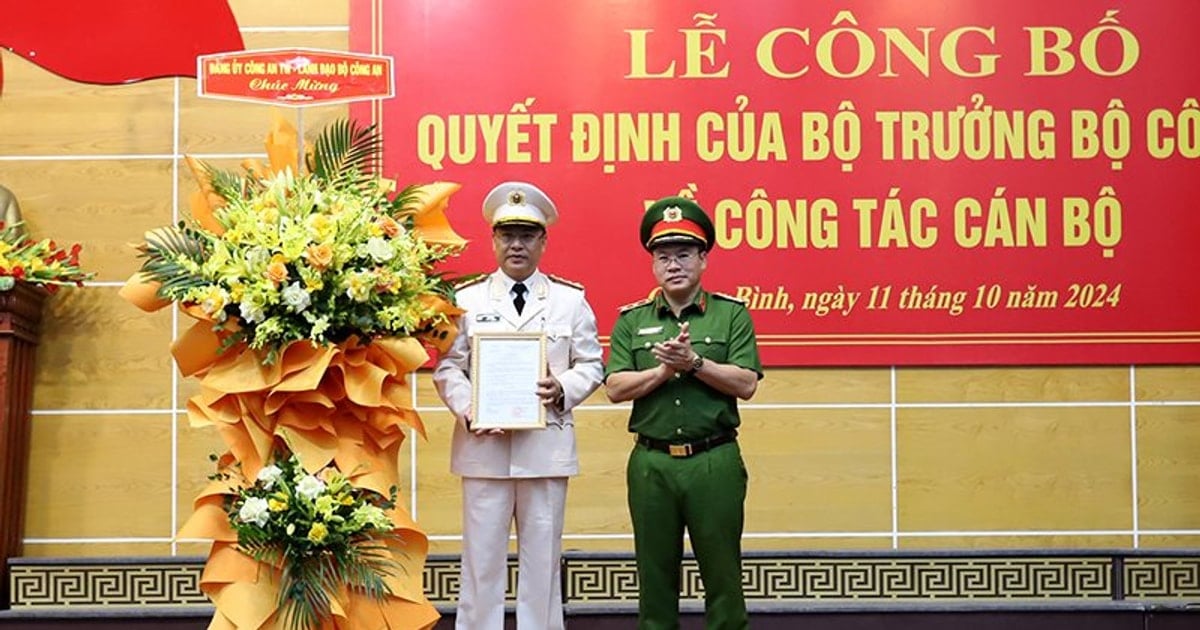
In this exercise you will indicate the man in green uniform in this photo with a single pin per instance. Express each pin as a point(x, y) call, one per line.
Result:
point(684, 356)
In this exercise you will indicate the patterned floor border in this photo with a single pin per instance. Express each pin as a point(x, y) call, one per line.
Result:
point(599, 579)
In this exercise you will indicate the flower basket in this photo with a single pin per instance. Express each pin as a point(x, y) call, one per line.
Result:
point(314, 295)
point(42, 263)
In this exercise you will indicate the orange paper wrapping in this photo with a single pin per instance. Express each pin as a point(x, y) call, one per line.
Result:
point(345, 405)
point(337, 405)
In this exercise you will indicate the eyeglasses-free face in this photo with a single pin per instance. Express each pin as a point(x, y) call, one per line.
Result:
point(518, 249)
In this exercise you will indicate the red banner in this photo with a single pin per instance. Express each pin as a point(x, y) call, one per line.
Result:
point(294, 76)
point(921, 182)
point(117, 41)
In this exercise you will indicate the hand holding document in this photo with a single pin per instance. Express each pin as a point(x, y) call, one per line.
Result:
point(506, 369)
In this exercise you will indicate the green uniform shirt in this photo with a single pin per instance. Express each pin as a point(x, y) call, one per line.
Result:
point(684, 409)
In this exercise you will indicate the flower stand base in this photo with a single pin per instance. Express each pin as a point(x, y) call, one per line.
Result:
point(20, 325)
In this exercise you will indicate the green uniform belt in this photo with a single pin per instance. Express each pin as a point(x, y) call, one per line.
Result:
point(687, 449)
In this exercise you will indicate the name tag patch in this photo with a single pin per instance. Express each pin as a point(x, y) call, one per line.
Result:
point(652, 330)
point(487, 317)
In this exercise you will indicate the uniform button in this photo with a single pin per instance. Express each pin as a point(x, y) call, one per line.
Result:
point(708, 340)
point(679, 431)
point(679, 375)
point(647, 344)
point(677, 403)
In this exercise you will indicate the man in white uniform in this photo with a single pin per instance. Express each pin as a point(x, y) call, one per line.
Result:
point(518, 474)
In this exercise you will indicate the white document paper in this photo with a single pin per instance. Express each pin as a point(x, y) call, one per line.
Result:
point(505, 369)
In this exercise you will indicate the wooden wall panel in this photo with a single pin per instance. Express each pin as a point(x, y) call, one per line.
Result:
point(820, 470)
point(596, 499)
point(103, 204)
point(1024, 384)
point(1169, 467)
point(193, 465)
point(1016, 542)
point(825, 386)
point(1170, 542)
point(100, 549)
point(99, 352)
point(758, 542)
point(43, 114)
point(1023, 468)
point(426, 392)
point(1168, 383)
point(439, 497)
point(100, 476)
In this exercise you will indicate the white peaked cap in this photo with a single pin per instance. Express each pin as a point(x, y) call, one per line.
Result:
point(517, 203)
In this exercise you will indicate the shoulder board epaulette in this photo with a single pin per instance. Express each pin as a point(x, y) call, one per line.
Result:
point(642, 302)
point(471, 281)
point(632, 305)
point(730, 298)
point(570, 283)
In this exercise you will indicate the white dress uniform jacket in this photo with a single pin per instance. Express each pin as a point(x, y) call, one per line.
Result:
point(573, 352)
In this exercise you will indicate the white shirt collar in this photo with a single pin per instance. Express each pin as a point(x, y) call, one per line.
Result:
point(528, 282)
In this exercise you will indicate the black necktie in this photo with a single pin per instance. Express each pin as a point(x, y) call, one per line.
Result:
point(519, 300)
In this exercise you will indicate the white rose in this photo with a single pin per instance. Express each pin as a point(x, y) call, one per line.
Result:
point(251, 312)
point(255, 510)
point(269, 475)
point(379, 249)
point(296, 297)
point(310, 487)
point(257, 257)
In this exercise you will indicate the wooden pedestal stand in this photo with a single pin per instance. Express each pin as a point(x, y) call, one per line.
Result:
point(20, 326)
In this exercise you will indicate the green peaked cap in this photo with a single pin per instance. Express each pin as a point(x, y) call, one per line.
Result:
point(677, 220)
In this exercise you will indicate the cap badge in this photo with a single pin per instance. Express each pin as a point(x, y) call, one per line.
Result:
point(672, 214)
point(516, 198)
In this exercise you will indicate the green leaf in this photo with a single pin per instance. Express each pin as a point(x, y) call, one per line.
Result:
point(232, 185)
point(345, 154)
point(164, 248)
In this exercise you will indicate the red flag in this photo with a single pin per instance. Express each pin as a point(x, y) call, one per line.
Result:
point(117, 41)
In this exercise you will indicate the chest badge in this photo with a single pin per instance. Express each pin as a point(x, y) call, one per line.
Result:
point(651, 330)
point(487, 317)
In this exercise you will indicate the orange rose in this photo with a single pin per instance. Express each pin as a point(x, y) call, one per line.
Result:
point(389, 226)
point(319, 256)
point(277, 270)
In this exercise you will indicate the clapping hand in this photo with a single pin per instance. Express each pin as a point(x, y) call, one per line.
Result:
point(675, 353)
